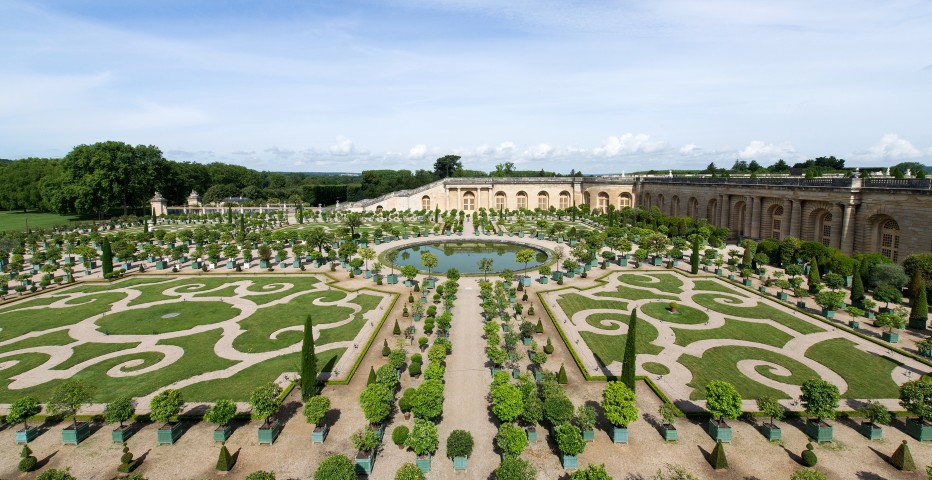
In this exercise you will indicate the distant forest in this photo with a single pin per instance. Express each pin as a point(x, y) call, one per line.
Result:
point(114, 178)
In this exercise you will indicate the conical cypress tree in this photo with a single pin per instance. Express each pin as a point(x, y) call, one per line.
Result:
point(814, 277)
point(225, 461)
point(902, 459)
point(694, 259)
point(371, 379)
point(919, 315)
point(857, 286)
point(308, 362)
point(106, 257)
point(561, 376)
point(397, 329)
point(914, 285)
point(628, 366)
point(717, 459)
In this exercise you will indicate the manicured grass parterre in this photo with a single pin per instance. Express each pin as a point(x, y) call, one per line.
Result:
point(761, 311)
point(665, 282)
point(868, 375)
point(572, 303)
point(171, 334)
point(19, 221)
point(735, 330)
point(721, 363)
point(684, 315)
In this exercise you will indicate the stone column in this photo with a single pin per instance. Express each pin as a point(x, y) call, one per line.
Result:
point(797, 219)
point(787, 218)
point(837, 213)
point(755, 218)
point(724, 210)
point(746, 229)
point(847, 230)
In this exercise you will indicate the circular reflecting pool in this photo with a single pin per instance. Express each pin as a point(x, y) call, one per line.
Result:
point(465, 256)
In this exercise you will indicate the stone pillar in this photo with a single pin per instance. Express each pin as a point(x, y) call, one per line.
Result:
point(746, 228)
point(797, 219)
point(787, 218)
point(837, 213)
point(755, 218)
point(723, 222)
point(847, 230)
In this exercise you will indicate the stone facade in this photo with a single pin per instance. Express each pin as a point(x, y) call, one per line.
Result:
point(856, 215)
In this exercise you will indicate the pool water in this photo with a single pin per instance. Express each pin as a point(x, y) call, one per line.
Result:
point(464, 256)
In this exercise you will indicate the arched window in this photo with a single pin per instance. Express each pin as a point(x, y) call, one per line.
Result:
point(522, 200)
point(565, 200)
point(675, 206)
point(500, 201)
point(543, 201)
point(776, 223)
point(890, 240)
point(425, 203)
point(692, 208)
point(603, 202)
point(469, 201)
point(624, 200)
point(825, 230)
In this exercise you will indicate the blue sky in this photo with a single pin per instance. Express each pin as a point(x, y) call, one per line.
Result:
point(599, 86)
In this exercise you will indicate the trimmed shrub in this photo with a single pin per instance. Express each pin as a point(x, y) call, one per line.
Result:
point(409, 471)
point(385, 348)
point(414, 369)
point(548, 349)
point(902, 459)
point(561, 376)
point(717, 459)
point(809, 457)
point(399, 435)
point(225, 461)
point(261, 475)
point(336, 467)
point(28, 461)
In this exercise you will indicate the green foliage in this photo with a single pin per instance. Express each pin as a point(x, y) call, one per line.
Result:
point(23, 409)
point(889, 274)
point(592, 472)
point(69, 397)
point(365, 440)
point(459, 444)
point(316, 408)
point(400, 435)
point(263, 475)
point(511, 440)
point(225, 460)
point(335, 467)
point(618, 404)
point(629, 365)
point(119, 410)
point(371, 379)
point(674, 472)
point(809, 457)
point(548, 349)
point(890, 321)
point(920, 309)
point(717, 459)
point(902, 459)
point(427, 402)
point(771, 407)
point(396, 330)
point(387, 376)
point(569, 439)
point(558, 410)
point(857, 286)
point(514, 468)
point(820, 398)
point(423, 438)
point(409, 471)
point(106, 257)
point(165, 405)
point(876, 413)
point(561, 376)
point(221, 412)
point(585, 417)
point(888, 294)
point(830, 300)
point(814, 276)
point(916, 398)
point(723, 400)
point(56, 474)
point(376, 402)
point(27, 464)
point(507, 402)
point(807, 474)
point(264, 400)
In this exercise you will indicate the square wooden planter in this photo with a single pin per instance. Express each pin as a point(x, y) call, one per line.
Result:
point(588, 435)
point(871, 431)
point(921, 431)
point(818, 431)
point(268, 432)
point(168, 433)
point(670, 433)
point(319, 435)
point(570, 461)
point(782, 296)
point(423, 462)
point(364, 462)
point(890, 337)
point(27, 435)
point(121, 434)
point(719, 430)
point(74, 434)
point(222, 432)
point(531, 433)
point(619, 434)
point(771, 432)
point(460, 463)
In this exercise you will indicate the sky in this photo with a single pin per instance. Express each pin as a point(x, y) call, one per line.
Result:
point(600, 86)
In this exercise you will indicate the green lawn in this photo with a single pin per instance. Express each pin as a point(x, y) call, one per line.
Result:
point(629, 293)
point(721, 363)
point(868, 375)
point(267, 320)
point(151, 321)
point(685, 315)
point(59, 337)
point(760, 311)
point(655, 368)
point(18, 221)
point(609, 348)
point(712, 286)
point(735, 330)
point(345, 333)
point(668, 282)
point(18, 322)
point(87, 351)
point(574, 302)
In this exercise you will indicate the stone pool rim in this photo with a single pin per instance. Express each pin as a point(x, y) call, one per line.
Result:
point(551, 259)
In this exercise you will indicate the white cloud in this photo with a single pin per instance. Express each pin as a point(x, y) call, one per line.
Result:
point(629, 143)
point(690, 149)
point(417, 152)
point(344, 146)
point(538, 152)
point(506, 148)
point(891, 146)
point(758, 150)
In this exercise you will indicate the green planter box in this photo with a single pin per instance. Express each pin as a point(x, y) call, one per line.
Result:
point(623, 262)
point(460, 463)
point(890, 337)
point(319, 435)
point(619, 434)
point(925, 353)
point(854, 324)
point(543, 280)
point(231, 264)
point(423, 463)
point(820, 432)
point(782, 296)
point(588, 435)
point(801, 304)
point(762, 289)
point(121, 435)
point(222, 432)
point(869, 315)
point(828, 313)
point(657, 261)
point(731, 276)
point(526, 341)
point(169, 433)
point(919, 324)
point(296, 263)
point(670, 433)
point(268, 432)
point(263, 264)
point(556, 276)
point(719, 431)
point(919, 431)
point(74, 434)
point(161, 265)
point(871, 431)
point(570, 461)
point(364, 462)
point(27, 435)
point(718, 271)
point(531, 433)
point(392, 279)
point(771, 432)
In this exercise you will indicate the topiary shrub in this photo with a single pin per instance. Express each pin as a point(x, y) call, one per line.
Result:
point(399, 435)
point(809, 457)
point(335, 467)
point(561, 376)
point(717, 459)
point(28, 461)
point(56, 474)
point(548, 349)
point(225, 460)
point(127, 464)
point(414, 369)
point(902, 459)
point(397, 329)
point(385, 348)
point(261, 475)
point(409, 471)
